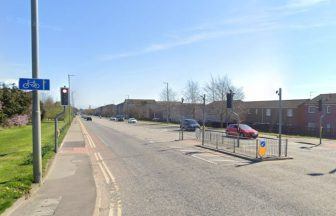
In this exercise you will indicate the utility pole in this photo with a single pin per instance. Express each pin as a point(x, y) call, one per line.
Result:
point(279, 92)
point(69, 77)
point(203, 127)
point(126, 100)
point(36, 113)
point(168, 105)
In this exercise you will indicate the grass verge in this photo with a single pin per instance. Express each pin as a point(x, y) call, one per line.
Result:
point(16, 159)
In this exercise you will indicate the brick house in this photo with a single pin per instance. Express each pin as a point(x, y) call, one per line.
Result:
point(264, 115)
point(310, 115)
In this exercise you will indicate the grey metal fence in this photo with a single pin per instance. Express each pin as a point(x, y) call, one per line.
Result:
point(219, 140)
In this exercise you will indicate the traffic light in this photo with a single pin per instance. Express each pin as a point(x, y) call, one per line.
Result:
point(229, 97)
point(64, 96)
point(320, 105)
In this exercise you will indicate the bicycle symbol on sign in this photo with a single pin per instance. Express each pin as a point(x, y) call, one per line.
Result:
point(32, 84)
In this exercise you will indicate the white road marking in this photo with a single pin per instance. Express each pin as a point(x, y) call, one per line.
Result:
point(195, 156)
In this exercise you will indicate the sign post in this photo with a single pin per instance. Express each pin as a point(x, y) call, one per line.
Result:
point(262, 148)
point(36, 113)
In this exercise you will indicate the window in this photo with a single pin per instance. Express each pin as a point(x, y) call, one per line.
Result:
point(289, 112)
point(248, 111)
point(311, 109)
point(256, 111)
point(311, 125)
point(328, 126)
point(328, 109)
point(268, 112)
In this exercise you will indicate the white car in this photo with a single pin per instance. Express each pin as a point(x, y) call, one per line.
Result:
point(132, 120)
point(113, 119)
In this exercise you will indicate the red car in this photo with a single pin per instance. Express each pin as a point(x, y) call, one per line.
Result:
point(243, 131)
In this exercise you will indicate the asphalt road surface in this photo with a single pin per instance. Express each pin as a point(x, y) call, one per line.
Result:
point(142, 170)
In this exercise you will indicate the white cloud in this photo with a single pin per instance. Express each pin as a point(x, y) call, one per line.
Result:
point(295, 4)
point(269, 20)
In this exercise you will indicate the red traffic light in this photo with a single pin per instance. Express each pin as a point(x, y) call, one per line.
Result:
point(64, 90)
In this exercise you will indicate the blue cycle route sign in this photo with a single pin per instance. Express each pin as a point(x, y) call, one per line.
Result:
point(34, 84)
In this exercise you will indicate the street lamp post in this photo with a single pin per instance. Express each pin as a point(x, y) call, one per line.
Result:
point(127, 96)
point(36, 113)
point(70, 93)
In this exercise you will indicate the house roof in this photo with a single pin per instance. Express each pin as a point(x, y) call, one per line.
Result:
point(326, 98)
point(275, 103)
point(215, 103)
point(139, 100)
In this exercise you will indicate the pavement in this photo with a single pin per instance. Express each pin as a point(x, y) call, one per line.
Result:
point(69, 187)
point(141, 169)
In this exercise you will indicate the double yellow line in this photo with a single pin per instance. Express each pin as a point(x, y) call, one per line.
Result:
point(108, 176)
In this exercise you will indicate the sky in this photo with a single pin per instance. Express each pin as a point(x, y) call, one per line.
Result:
point(120, 48)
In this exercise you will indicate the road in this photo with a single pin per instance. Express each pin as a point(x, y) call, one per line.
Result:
point(142, 170)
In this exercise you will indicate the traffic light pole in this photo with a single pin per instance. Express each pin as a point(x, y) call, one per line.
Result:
point(203, 126)
point(36, 113)
point(280, 118)
point(321, 128)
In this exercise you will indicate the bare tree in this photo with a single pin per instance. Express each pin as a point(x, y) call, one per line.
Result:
point(169, 95)
point(210, 89)
point(192, 95)
point(217, 89)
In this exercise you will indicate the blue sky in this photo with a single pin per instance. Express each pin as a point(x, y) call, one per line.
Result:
point(127, 47)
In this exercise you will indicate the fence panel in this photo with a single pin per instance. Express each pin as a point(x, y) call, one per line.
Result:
point(247, 147)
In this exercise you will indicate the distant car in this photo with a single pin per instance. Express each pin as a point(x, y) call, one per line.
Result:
point(243, 131)
point(189, 125)
point(113, 119)
point(155, 119)
point(120, 118)
point(88, 118)
point(132, 120)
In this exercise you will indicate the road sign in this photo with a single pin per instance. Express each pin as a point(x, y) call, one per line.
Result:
point(262, 148)
point(34, 84)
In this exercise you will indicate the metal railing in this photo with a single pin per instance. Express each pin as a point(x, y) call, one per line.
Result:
point(219, 140)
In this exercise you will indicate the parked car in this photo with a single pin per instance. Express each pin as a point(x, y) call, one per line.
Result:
point(243, 131)
point(88, 118)
point(132, 120)
point(113, 119)
point(120, 118)
point(155, 119)
point(189, 125)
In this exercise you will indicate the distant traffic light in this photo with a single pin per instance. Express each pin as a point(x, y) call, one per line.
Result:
point(320, 105)
point(64, 96)
point(229, 98)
